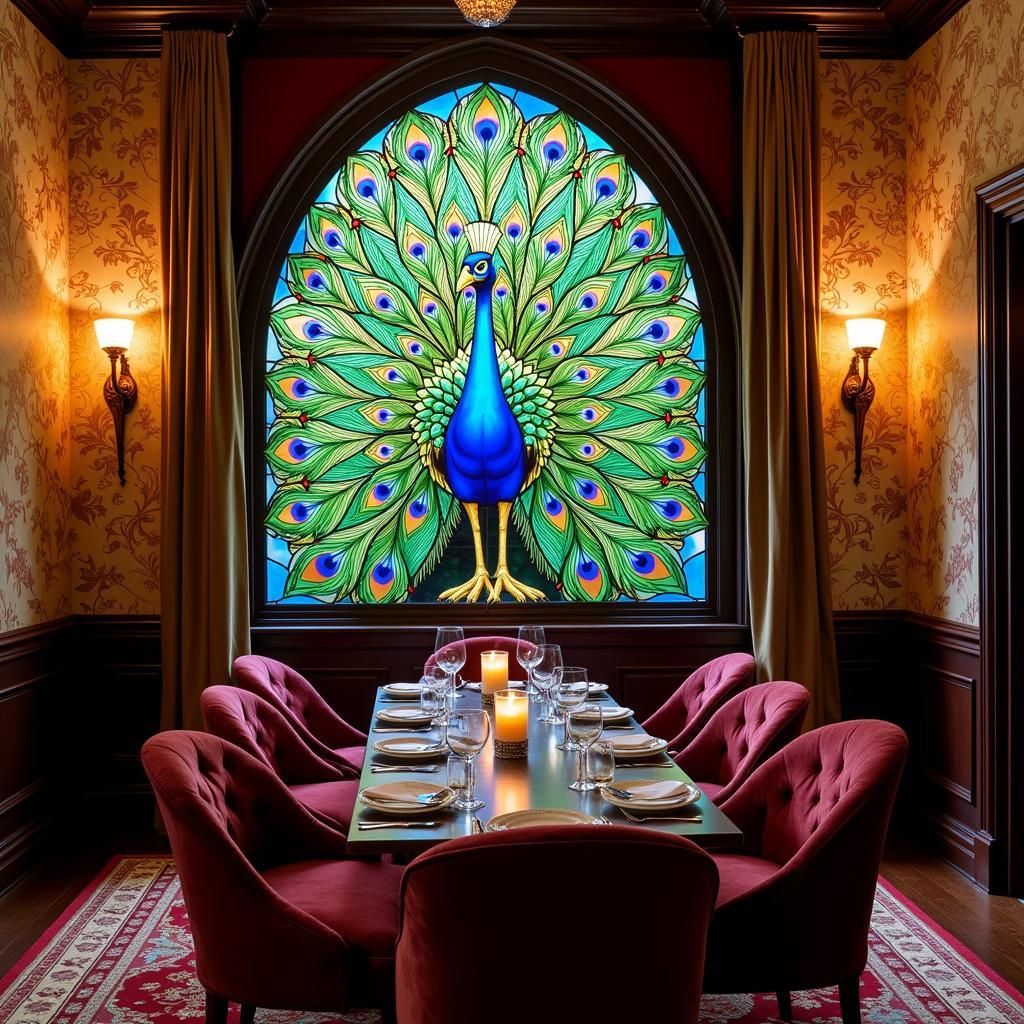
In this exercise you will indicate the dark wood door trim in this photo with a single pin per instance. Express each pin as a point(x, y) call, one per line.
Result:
point(1001, 394)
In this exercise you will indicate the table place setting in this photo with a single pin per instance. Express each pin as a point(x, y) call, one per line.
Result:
point(410, 747)
point(406, 798)
point(537, 817)
point(406, 716)
point(651, 795)
point(403, 691)
point(636, 745)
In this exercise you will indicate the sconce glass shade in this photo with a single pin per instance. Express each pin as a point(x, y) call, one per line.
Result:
point(114, 332)
point(865, 332)
point(485, 13)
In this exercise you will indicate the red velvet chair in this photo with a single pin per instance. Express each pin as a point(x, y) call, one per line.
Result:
point(490, 929)
point(248, 721)
point(794, 908)
point(321, 728)
point(280, 917)
point(687, 711)
point(476, 645)
point(746, 730)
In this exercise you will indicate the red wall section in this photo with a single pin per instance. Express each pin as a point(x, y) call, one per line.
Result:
point(283, 98)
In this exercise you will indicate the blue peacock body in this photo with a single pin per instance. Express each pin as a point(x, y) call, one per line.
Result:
point(486, 316)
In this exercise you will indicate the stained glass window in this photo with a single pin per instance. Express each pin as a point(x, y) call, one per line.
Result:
point(485, 372)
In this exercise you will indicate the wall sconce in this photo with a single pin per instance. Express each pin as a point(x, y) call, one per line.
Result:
point(114, 335)
point(865, 337)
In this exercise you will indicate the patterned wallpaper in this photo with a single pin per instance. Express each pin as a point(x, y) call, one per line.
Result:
point(113, 111)
point(965, 124)
point(34, 435)
point(863, 270)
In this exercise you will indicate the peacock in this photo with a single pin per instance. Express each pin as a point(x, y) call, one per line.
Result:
point(485, 314)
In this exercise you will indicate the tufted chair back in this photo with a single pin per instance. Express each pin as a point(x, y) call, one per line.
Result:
point(476, 645)
point(688, 710)
point(229, 818)
point(248, 721)
point(297, 699)
point(743, 732)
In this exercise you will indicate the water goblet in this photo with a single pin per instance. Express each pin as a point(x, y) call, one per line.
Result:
point(450, 654)
point(467, 734)
point(528, 655)
point(544, 675)
point(584, 725)
point(569, 693)
point(432, 698)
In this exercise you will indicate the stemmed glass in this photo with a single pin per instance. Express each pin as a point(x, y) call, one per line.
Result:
point(544, 675)
point(528, 654)
point(433, 695)
point(450, 654)
point(584, 725)
point(569, 693)
point(467, 734)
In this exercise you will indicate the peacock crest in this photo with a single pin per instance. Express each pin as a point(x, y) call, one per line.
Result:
point(486, 311)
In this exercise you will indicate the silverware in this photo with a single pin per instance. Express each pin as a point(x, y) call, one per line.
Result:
point(367, 826)
point(405, 768)
point(645, 764)
point(411, 728)
point(478, 825)
point(695, 819)
point(622, 794)
point(629, 728)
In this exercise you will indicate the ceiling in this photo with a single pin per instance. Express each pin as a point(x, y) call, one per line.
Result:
point(849, 28)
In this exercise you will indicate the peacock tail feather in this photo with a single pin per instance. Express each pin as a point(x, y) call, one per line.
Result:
point(594, 323)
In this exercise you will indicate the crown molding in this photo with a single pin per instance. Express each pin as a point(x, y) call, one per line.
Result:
point(846, 28)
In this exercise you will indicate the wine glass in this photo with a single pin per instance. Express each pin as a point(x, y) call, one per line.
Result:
point(528, 655)
point(584, 725)
point(570, 692)
point(450, 653)
point(467, 734)
point(544, 674)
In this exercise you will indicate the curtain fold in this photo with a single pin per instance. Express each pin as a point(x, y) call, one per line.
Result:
point(787, 536)
point(204, 556)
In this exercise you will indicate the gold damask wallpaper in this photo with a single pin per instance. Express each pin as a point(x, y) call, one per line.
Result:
point(965, 124)
point(35, 457)
point(113, 113)
point(863, 271)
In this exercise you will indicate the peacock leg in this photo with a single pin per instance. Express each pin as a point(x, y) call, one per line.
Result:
point(473, 588)
point(504, 581)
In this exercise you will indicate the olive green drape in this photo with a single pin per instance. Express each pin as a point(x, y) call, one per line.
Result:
point(787, 536)
point(204, 578)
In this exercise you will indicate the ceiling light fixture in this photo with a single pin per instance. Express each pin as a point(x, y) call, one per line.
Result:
point(485, 13)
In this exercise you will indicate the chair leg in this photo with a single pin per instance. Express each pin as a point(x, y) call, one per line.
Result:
point(247, 1013)
point(216, 1009)
point(785, 1005)
point(849, 1000)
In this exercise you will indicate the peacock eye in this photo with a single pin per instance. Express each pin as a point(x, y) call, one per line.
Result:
point(481, 267)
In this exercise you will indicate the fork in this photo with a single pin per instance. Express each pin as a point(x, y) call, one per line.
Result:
point(415, 728)
point(645, 764)
point(367, 826)
point(696, 819)
point(405, 768)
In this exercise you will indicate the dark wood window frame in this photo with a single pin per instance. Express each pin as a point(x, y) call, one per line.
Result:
point(689, 209)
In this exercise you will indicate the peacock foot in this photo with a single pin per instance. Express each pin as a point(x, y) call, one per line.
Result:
point(505, 582)
point(471, 590)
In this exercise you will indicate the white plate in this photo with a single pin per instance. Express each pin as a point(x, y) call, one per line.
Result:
point(405, 716)
point(690, 794)
point(538, 816)
point(623, 747)
point(411, 748)
point(513, 684)
point(617, 714)
point(403, 691)
point(401, 808)
point(597, 688)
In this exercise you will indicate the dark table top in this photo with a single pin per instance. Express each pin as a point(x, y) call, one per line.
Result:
point(540, 780)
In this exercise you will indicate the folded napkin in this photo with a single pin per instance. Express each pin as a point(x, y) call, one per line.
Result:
point(632, 742)
point(402, 792)
point(656, 789)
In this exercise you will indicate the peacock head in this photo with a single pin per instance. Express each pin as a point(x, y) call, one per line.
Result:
point(478, 266)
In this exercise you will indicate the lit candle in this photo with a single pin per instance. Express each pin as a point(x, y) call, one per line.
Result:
point(511, 708)
point(493, 671)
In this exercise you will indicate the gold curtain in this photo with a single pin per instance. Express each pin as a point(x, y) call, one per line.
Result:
point(204, 578)
point(787, 537)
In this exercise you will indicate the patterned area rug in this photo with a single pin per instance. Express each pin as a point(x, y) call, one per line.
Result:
point(122, 954)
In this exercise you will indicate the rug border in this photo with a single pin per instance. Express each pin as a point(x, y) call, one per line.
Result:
point(37, 946)
point(968, 954)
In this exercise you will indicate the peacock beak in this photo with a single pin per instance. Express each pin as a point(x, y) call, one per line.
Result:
point(466, 280)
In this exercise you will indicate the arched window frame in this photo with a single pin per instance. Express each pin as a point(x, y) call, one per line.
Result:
point(687, 206)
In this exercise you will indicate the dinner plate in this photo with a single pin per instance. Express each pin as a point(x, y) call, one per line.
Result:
point(597, 691)
point(405, 716)
point(403, 691)
point(411, 748)
point(615, 714)
point(538, 816)
point(635, 744)
point(399, 798)
point(684, 794)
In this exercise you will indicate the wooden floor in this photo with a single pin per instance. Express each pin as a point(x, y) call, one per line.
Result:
point(991, 926)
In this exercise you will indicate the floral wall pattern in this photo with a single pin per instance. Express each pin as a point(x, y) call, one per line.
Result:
point(35, 526)
point(863, 272)
point(965, 124)
point(113, 112)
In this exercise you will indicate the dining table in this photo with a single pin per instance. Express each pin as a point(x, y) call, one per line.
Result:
point(539, 780)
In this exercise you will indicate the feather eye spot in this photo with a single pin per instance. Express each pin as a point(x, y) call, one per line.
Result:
point(419, 152)
point(605, 187)
point(300, 450)
point(382, 452)
point(454, 230)
point(640, 239)
point(554, 151)
point(656, 282)
point(588, 300)
point(587, 450)
point(501, 292)
point(514, 230)
point(657, 330)
point(486, 130)
point(418, 251)
point(297, 512)
point(469, 294)
point(314, 330)
point(589, 414)
point(648, 565)
point(384, 303)
point(672, 387)
point(315, 281)
point(542, 307)
point(367, 188)
point(393, 375)
point(383, 415)
point(418, 509)
point(333, 239)
point(556, 349)
point(382, 578)
point(582, 375)
point(414, 348)
point(322, 568)
point(552, 247)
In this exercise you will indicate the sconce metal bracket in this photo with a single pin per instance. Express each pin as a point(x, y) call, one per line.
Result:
point(858, 393)
point(120, 392)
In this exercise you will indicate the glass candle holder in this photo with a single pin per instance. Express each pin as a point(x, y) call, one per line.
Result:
point(511, 723)
point(493, 675)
